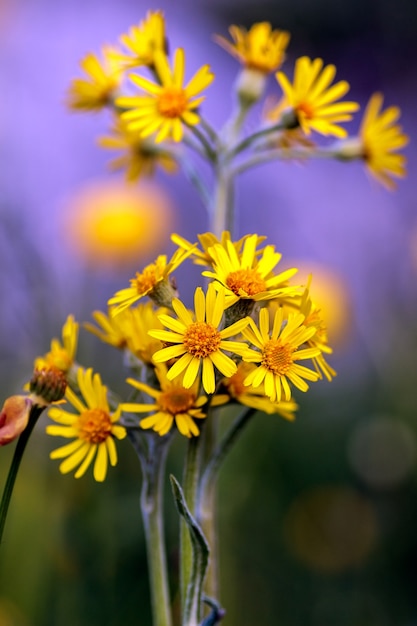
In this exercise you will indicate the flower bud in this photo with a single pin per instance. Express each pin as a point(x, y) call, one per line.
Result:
point(47, 385)
point(14, 417)
point(250, 86)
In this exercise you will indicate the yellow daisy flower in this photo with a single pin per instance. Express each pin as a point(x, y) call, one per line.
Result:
point(247, 395)
point(207, 241)
point(143, 40)
point(112, 329)
point(259, 48)
point(173, 403)
point(144, 318)
point(196, 340)
point(313, 100)
point(245, 276)
point(152, 282)
point(93, 429)
point(381, 137)
point(168, 105)
point(103, 79)
point(278, 351)
point(139, 157)
point(313, 318)
point(62, 353)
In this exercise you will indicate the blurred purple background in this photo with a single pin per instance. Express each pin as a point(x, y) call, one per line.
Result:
point(323, 213)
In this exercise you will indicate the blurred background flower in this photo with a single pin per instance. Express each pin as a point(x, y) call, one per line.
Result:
point(317, 516)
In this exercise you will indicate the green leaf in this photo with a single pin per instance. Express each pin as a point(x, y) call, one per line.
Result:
point(200, 554)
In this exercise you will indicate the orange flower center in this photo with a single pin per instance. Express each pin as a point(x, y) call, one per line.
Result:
point(277, 357)
point(235, 384)
point(306, 109)
point(246, 283)
point(172, 102)
point(146, 281)
point(176, 400)
point(201, 339)
point(94, 425)
point(59, 359)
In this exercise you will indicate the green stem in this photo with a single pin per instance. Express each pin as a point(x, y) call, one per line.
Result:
point(248, 141)
point(223, 206)
point(35, 412)
point(151, 502)
point(190, 483)
point(286, 154)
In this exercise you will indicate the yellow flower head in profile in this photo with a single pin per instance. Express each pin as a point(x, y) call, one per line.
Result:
point(139, 157)
point(93, 428)
point(252, 397)
point(62, 353)
point(152, 282)
point(313, 99)
point(143, 40)
point(207, 241)
point(111, 329)
point(196, 341)
point(245, 276)
point(168, 105)
point(102, 81)
point(381, 137)
point(173, 403)
point(142, 319)
point(259, 48)
point(278, 351)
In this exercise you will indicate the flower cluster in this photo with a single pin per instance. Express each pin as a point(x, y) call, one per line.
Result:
point(154, 107)
point(240, 344)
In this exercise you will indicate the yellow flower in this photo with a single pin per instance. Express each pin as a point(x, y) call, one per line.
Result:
point(245, 276)
point(278, 351)
point(142, 319)
point(313, 100)
point(313, 319)
point(260, 48)
point(143, 40)
point(112, 329)
point(197, 340)
point(62, 353)
point(168, 105)
point(207, 241)
point(152, 282)
point(139, 157)
point(172, 403)
point(254, 398)
point(98, 89)
point(381, 138)
point(93, 429)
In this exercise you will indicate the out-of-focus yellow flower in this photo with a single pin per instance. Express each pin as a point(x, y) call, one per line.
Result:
point(143, 40)
point(381, 138)
point(93, 428)
point(277, 353)
point(152, 282)
point(14, 417)
point(98, 89)
point(259, 48)
point(168, 105)
point(143, 318)
point(111, 225)
point(247, 395)
point(172, 403)
point(245, 276)
point(196, 340)
point(140, 157)
point(312, 100)
point(111, 329)
point(62, 353)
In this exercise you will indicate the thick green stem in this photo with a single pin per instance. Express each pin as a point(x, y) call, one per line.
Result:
point(190, 483)
point(15, 464)
point(152, 514)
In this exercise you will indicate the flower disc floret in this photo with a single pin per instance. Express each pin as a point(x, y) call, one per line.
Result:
point(277, 357)
point(94, 425)
point(201, 339)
